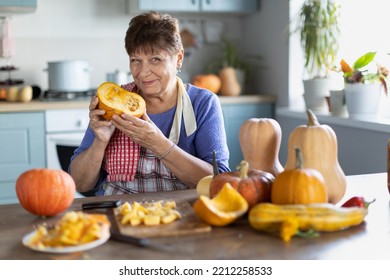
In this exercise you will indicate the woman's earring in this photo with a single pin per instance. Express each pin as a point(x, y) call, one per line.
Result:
point(179, 70)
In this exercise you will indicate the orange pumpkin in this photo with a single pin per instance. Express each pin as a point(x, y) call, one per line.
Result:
point(253, 184)
point(115, 101)
point(300, 185)
point(45, 192)
point(209, 81)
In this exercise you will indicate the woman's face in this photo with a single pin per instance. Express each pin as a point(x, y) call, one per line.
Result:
point(155, 73)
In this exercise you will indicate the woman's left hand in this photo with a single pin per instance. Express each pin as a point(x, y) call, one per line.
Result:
point(141, 130)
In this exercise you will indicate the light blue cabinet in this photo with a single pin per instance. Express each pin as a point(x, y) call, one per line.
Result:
point(227, 6)
point(22, 3)
point(234, 116)
point(215, 6)
point(22, 147)
point(10, 7)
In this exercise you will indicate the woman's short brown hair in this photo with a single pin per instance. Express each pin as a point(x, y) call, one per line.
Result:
point(152, 31)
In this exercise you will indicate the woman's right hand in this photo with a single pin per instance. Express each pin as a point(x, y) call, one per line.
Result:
point(102, 128)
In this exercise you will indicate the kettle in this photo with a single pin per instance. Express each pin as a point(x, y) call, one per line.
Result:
point(119, 77)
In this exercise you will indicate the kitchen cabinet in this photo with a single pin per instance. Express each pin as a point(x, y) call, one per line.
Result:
point(22, 147)
point(9, 7)
point(234, 116)
point(193, 6)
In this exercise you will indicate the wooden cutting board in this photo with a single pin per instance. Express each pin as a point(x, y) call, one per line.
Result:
point(188, 224)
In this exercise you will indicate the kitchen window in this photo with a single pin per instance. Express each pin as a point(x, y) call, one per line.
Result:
point(363, 26)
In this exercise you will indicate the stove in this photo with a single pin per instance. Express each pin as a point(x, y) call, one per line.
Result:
point(51, 95)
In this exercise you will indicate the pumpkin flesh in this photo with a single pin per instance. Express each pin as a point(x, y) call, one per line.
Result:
point(115, 100)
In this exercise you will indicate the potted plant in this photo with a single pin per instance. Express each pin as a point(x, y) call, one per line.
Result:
point(363, 87)
point(318, 25)
point(233, 70)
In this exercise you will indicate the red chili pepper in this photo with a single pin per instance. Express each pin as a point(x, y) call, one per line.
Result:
point(357, 201)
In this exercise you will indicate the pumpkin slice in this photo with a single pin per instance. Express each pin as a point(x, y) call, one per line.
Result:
point(227, 206)
point(115, 101)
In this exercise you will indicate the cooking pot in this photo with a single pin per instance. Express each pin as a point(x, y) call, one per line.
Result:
point(69, 75)
point(119, 77)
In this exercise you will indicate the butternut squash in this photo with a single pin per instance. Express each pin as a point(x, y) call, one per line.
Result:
point(260, 140)
point(229, 83)
point(318, 144)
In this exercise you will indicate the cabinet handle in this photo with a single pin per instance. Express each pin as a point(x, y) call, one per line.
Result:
point(80, 123)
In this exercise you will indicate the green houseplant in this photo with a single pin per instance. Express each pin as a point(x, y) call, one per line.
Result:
point(360, 73)
point(317, 23)
point(363, 86)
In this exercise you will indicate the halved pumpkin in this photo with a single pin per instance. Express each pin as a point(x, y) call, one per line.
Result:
point(115, 101)
point(227, 206)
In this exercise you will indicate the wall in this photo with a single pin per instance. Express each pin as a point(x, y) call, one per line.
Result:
point(266, 33)
point(94, 30)
point(90, 29)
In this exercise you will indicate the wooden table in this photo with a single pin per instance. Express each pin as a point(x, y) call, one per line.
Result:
point(370, 240)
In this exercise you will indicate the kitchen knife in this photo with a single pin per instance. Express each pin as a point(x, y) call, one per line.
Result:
point(101, 204)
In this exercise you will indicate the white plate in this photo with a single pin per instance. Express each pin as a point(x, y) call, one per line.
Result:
point(68, 249)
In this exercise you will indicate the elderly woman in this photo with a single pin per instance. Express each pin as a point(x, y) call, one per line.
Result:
point(171, 146)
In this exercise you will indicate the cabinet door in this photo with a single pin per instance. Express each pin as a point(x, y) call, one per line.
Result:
point(234, 116)
point(229, 6)
point(169, 6)
point(27, 3)
point(22, 147)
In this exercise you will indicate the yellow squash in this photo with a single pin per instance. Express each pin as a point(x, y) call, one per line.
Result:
point(269, 217)
point(318, 144)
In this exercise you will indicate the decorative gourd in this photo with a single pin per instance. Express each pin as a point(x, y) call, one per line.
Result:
point(318, 144)
point(299, 186)
point(115, 101)
point(45, 192)
point(209, 81)
point(260, 140)
point(253, 184)
point(229, 83)
point(288, 220)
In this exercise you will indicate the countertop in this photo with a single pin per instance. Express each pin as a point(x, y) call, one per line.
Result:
point(38, 105)
point(370, 240)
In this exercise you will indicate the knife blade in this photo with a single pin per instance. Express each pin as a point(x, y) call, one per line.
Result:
point(101, 204)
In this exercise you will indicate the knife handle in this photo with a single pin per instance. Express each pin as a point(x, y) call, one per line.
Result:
point(101, 204)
